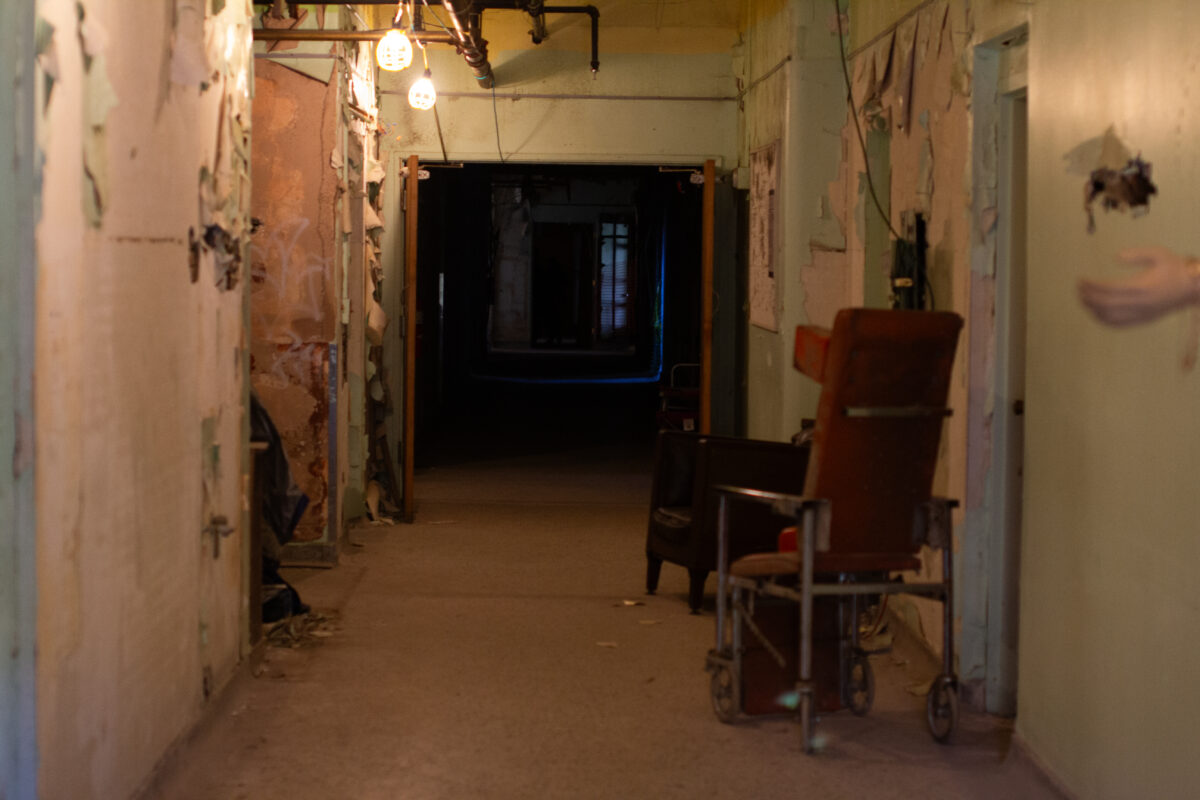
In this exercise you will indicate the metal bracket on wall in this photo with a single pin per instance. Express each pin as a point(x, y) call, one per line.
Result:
point(422, 174)
point(219, 527)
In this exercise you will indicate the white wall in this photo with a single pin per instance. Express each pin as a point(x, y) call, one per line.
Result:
point(139, 384)
point(1107, 695)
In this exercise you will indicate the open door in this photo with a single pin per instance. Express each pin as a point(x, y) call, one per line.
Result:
point(1004, 595)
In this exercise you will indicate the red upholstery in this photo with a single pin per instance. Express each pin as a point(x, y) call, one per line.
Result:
point(874, 450)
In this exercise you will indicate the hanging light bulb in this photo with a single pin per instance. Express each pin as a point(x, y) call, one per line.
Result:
point(422, 95)
point(394, 51)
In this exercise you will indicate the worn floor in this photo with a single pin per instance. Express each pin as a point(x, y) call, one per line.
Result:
point(486, 651)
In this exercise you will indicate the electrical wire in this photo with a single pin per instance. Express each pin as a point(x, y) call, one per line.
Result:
point(438, 121)
point(438, 20)
point(496, 117)
point(858, 129)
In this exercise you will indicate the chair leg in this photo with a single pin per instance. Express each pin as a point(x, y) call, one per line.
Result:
point(696, 579)
point(653, 570)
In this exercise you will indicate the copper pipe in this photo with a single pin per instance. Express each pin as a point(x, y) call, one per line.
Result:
point(290, 35)
point(465, 19)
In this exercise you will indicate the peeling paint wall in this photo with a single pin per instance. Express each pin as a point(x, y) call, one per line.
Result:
point(18, 723)
point(294, 310)
point(793, 94)
point(911, 84)
point(1107, 657)
point(316, 319)
point(139, 387)
point(910, 65)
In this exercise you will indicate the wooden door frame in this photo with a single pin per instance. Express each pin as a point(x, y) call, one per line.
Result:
point(411, 180)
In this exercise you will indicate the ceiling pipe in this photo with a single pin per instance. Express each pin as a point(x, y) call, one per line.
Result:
point(537, 12)
point(467, 36)
point(470, 43)
point(292, 35)
point(592, 12)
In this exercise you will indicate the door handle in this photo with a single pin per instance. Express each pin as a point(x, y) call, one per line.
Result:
point(1018, 408)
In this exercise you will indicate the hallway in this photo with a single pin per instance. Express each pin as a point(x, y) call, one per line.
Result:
point(486, 651)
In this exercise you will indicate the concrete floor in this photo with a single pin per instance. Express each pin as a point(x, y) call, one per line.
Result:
point(485, 651)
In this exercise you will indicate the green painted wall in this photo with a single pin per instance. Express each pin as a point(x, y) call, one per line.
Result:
point(1108, 655)
point(801, 105)
point(18, 755)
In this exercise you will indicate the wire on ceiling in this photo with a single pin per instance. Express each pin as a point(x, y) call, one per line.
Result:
point(436, 19)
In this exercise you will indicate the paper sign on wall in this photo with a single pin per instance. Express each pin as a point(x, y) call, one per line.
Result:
point(764, 180)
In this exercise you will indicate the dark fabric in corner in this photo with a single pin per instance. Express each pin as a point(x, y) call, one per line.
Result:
point(283, 502)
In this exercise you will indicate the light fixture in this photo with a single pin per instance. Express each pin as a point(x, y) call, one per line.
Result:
point(422, 95)
point(394, 51)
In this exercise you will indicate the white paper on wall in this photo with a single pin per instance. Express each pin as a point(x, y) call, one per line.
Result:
point(764, 180)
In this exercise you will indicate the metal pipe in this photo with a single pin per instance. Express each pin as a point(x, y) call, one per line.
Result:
point(563, 96)
point(470, 43)
point(722, 567)
point(807, 522)
point(948, 611)
point(468, 39)
point(537, 12)
point(290, 35)
point(592, 12)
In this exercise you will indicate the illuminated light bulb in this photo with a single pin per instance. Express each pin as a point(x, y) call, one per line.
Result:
point(394, 51)
point(422, 95)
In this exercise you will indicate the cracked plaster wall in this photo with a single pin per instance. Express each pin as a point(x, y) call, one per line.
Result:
point(911, 67)
point(139, 380)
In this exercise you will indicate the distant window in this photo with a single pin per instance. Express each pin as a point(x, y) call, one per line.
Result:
point(615, 281)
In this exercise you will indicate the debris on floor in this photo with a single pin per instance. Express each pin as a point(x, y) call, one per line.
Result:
point(305, 630)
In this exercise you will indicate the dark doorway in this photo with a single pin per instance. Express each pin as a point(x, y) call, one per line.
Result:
point(553, 301)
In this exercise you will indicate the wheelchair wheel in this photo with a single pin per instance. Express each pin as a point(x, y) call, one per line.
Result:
point(724, 690)
point(858, 685)
point(941, 708)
